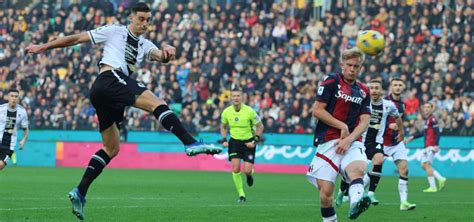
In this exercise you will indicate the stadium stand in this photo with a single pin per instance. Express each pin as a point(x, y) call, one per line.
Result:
point(276, 50)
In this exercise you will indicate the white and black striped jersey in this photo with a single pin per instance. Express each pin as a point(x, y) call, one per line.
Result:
point(378, 118)
point(10, 121)
point(122, 48)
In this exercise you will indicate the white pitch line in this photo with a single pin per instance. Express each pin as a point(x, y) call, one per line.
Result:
point(216, 206)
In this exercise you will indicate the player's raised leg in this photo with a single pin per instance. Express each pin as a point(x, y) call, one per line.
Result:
point(355, 171)
point(98, 161)
point(150, 103)
point(237, 178)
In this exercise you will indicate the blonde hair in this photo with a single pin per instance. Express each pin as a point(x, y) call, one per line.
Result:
point(351, 53)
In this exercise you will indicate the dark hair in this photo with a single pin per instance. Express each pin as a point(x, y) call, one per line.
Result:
point(13, 90)
point(376, 81)
point(236, 89)
point(141, 7)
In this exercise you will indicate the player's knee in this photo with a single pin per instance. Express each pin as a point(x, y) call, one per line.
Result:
point(326, 198)
point(403, 171)
point(356, 170)
point(148, 102)
point(2, 165)
point(378, 159)
point(112, 150)
point(236, 169)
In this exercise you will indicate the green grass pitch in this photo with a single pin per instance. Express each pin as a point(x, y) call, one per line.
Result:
point(39, 194)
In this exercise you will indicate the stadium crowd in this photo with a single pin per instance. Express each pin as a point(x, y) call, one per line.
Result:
point(277, 50)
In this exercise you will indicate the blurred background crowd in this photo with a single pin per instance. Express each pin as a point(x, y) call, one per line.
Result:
point(278, 51)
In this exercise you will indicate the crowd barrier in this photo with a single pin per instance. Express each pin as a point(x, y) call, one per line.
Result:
point(281, 153)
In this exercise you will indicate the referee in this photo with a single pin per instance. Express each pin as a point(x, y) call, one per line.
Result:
point(241, 120)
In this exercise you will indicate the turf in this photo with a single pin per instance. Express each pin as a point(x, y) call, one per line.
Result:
point(39, 194)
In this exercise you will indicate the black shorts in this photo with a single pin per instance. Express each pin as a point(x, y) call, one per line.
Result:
point(238, 149)
point(5, 155)
point(111, 92)
point(372, 148)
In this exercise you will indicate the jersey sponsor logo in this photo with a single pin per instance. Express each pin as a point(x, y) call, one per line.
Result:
point(236, 119)
point(340, 94)
point(10, 124)
point(362, 93)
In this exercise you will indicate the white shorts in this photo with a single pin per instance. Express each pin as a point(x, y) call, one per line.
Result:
point(397, 152)
point(428, 155)
point(327, 164)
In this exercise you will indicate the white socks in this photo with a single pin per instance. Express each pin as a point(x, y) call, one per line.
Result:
point(366, 181)
point(332, 218)
point(356, 190)
point(403, 189)
point(437, 175)
point(432, 181)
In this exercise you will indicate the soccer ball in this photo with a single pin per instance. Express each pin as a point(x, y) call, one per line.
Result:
point(371, 42)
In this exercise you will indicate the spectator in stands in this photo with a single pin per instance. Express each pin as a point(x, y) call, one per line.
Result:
point(239, 44)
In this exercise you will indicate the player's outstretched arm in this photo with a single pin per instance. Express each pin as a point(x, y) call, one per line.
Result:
point(26, 131)
point(165, 55)
point(58, 43)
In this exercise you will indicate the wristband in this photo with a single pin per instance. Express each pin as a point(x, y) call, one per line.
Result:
point(224, 140)
point(256, 138)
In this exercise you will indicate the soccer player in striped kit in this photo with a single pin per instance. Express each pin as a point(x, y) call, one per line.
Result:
point(124, 47)
point(12, 117)
point(395, 148)
point(343, 109)
point(373, 138)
